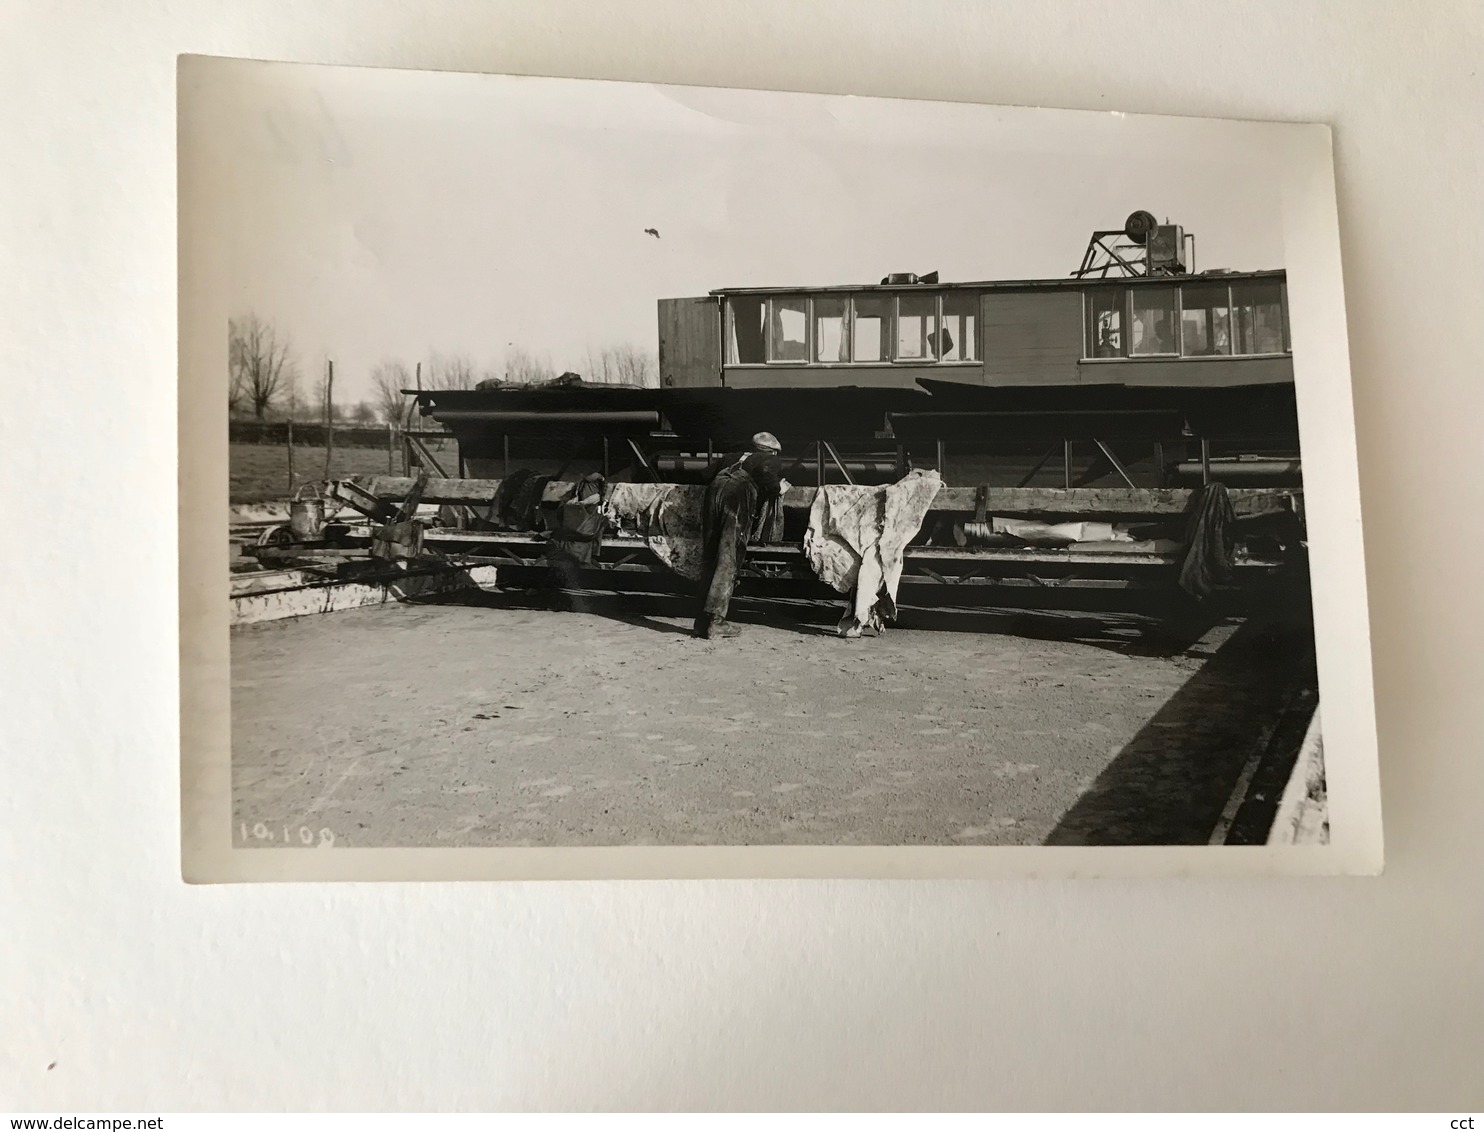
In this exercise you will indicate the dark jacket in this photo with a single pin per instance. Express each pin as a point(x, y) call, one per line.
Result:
point(748, 487)
point(765, 469)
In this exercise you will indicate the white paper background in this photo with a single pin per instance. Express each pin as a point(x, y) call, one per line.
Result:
point(151, 995)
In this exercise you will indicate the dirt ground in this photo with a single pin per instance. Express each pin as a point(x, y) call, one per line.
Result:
point(493, 724)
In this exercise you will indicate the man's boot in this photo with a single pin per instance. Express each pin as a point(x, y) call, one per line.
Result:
point(720, 627)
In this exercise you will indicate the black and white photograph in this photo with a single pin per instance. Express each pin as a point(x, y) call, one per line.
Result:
point(617, 466)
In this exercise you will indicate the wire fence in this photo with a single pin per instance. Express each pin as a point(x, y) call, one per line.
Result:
point(271, 460)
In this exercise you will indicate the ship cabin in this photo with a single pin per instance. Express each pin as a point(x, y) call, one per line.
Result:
point(1213, 330)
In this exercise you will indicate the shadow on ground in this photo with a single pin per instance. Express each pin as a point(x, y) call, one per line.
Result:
point(1133, 633)
point(1171, 783)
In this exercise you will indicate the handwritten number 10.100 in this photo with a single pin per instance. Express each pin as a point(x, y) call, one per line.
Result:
point(303, 836)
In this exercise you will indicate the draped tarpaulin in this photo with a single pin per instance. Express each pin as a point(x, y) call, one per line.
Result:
point(857, 538)
point(668, 515)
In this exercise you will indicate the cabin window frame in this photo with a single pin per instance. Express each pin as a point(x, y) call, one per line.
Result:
point(847, 329)
point(891, 299)
point(1176, 312)
point(769, 305)
point(896, 357)
point(729, 337)
point(1126, 311)
point(888, 329)
point(976, 313)
point(1231, 328)
point(1285, 346)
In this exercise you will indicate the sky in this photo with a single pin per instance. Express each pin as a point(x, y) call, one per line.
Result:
point(381, 214)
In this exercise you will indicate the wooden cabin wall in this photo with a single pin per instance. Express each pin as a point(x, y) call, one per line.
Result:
point(1031, 337)
point(690, 342)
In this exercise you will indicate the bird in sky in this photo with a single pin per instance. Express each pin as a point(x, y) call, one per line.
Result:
point(652, 232)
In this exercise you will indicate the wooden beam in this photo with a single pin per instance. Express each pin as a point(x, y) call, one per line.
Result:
point(325, 596)
point(1003, 501)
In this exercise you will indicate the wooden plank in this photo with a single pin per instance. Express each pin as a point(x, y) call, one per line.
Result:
point(1103, 555)
point(1003, 501)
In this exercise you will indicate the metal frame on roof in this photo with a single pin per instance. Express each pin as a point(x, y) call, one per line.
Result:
point(1008, 284)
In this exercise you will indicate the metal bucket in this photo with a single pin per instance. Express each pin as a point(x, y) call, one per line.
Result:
point(307, 515)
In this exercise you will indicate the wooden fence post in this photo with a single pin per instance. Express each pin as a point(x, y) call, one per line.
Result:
point(291, 456)
point(329, 413)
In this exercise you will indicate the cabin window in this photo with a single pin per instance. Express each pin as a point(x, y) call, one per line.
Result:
point(1152, 321)
point(958, 336)
point(745, 342)
point(1211, 320)
point(1105, 316)
point(869, 327)
point(788, 329)
point(1257, 316)
point(917, 328)
point(1205, 320)
point(831, 342)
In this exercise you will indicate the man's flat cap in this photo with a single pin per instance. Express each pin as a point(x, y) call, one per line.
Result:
point(766, 442)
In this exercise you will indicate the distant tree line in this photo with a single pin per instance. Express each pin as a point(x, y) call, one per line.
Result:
point(264, 377)
point(249, 430)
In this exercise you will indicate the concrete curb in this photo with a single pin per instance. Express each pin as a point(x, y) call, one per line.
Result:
point(1303, 812)
point(303, 599)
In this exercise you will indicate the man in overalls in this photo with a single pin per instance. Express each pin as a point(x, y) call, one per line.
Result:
point(735, 498)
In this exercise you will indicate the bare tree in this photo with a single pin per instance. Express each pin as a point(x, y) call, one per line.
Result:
point(599, 366)
point(236, 372)
point(388, 379)
point(262, 366)
point(449, 371)
point(364, 413)
point(623, 365)
point(524, 367)
point(635, 367)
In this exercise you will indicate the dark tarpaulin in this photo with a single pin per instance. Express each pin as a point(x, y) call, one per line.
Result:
point(1210, 541)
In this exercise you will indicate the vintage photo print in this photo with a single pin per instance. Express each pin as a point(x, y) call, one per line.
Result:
point(595, 479)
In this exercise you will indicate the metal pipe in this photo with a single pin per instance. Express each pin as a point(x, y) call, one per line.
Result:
point(697, 464)
point(954, 413)
point(1228, 469)
point(512, 416)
